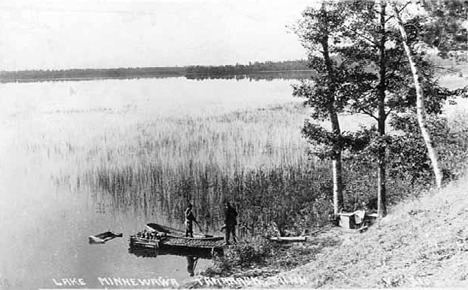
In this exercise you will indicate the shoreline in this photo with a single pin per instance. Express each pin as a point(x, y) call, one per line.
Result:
point(258, 74)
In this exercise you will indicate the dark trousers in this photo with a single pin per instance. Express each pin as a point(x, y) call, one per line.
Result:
point(231, 230)
point(189, 229)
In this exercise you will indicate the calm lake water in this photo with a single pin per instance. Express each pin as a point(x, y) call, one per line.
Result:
point(46, 218)
point(45, 221)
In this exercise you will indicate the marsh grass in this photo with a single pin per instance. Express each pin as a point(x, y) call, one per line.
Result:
point(254, 158)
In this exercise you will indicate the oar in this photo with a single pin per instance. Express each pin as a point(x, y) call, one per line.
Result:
point(206, 236)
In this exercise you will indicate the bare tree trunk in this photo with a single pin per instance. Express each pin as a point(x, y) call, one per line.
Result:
point(338, 201)
point(382, 162)
point(420, 109)
point(337, 185)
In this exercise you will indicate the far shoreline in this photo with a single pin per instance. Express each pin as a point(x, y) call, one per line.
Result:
point(189, 72)
point(288, 74)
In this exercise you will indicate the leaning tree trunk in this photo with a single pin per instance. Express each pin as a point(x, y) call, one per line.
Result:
point(420, 109)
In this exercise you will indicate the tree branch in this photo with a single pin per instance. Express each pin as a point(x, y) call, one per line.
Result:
point(388, 113)
point(388, 19)
point(403, 8)
point(363, 36)
point(368, 113)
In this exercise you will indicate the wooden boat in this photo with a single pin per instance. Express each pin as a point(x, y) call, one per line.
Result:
point(103, 237)
point(157, 236)
point(152, 227)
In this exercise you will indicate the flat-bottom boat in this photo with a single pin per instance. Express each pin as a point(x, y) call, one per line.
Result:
point(157, 236)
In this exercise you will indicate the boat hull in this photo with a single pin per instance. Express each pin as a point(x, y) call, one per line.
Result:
point(151, 252)
point(161, 237)
point(177, 242)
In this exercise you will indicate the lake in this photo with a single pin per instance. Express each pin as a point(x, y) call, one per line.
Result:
point(58, 136)
point(79, 158)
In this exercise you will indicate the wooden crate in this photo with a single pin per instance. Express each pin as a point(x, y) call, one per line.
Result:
point(347, 220)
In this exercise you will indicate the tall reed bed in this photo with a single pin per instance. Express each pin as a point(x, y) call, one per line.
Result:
point(154, 166)
point(254, 159)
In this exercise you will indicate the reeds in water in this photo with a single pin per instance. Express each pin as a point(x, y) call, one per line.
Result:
point(255, 159)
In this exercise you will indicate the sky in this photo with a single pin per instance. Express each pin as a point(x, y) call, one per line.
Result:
point(53, 34)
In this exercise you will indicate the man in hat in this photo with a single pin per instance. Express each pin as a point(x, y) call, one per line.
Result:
point(189, 219)
point(230, 222)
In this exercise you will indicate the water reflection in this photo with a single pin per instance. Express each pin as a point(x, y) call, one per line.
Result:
point(191, 264)
point(258, 76)
point(192, 256)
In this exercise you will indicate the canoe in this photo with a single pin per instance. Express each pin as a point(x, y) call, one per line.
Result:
point(157, 236)
point(152, 227)
point(103, 237)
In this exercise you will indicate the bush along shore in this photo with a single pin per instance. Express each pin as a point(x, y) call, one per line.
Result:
point(261, 259)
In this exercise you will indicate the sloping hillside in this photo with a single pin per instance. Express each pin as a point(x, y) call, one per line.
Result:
point(421, 243)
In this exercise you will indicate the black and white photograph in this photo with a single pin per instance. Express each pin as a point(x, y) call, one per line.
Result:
point(229, 144)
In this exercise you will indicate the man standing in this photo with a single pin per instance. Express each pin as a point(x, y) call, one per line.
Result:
point(230, 222)
point(189, 219)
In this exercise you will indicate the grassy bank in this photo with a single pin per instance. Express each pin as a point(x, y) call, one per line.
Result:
point(421, 243)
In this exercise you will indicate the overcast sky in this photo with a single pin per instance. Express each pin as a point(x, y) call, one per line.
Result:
point(137, 33)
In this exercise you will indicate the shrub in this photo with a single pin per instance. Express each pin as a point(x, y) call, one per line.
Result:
point(243, 256)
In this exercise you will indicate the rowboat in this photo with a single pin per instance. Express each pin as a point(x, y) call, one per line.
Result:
point(103, 237)
point(157, 236)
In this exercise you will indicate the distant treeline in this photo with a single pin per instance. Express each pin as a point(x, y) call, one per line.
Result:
point(190, 72)
point(79, 74)
point(254, 67)
point(256, 76)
